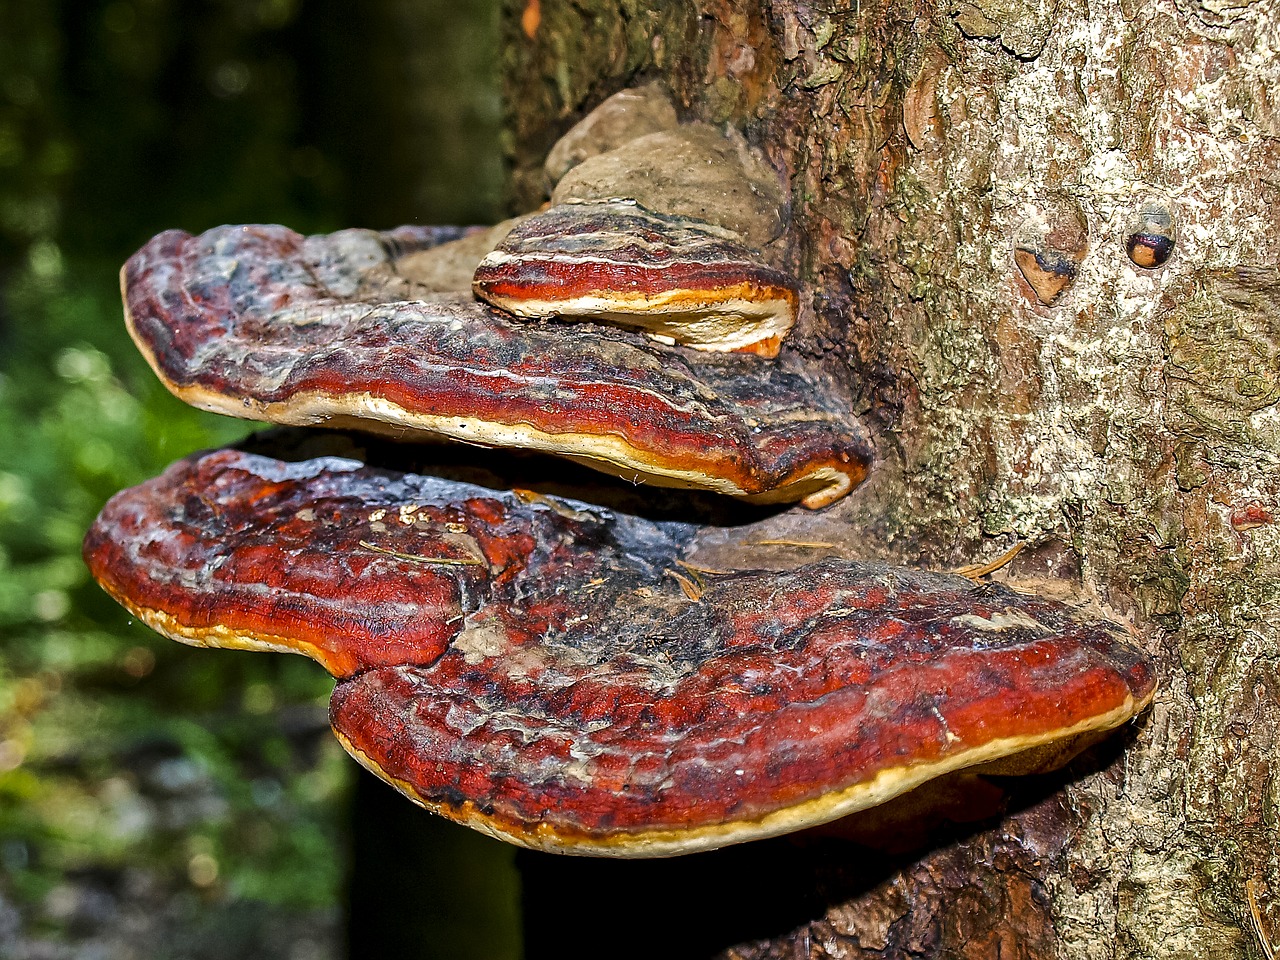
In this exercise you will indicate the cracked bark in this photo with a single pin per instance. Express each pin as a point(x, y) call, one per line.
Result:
point(1128, 435)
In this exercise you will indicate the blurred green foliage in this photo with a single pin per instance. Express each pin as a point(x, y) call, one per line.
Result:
point(134, 771)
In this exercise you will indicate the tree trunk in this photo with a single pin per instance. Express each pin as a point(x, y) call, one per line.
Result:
point(950, 167)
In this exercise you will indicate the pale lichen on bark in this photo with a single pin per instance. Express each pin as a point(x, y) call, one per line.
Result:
point(1130, 432)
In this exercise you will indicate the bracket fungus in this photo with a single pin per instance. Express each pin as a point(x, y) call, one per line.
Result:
point(627, 115)
point(538, 671)
point(553, 673)
point(696, 171)
point(679, 280)
point(263, 323)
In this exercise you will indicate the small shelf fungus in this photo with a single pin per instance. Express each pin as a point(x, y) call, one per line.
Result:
point(536, 670)
point(263, 323)
point(679, 280)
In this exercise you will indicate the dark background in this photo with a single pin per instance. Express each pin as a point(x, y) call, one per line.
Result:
point(158, 801)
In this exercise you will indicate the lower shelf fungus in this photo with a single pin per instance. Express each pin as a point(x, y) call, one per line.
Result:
point(533, 668)
point(263, 323)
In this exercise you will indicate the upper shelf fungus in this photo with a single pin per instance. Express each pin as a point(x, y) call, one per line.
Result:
point(563, 678)
point(679, 280)
point(260, 322)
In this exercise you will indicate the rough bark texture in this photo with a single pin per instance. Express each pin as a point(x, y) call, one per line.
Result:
point(1128, 435)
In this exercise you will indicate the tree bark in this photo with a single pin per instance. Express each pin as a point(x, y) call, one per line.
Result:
point(1128, 434)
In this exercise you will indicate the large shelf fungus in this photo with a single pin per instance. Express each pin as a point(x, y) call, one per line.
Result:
point(562, 677)
point(261, 322)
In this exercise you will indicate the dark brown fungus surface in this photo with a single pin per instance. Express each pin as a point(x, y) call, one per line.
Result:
point(679, 280)
point(539, 671)
point(263, 323)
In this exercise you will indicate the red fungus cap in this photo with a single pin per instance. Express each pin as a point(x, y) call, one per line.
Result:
point(558, 676)
point(260, 322)
point(679, 280)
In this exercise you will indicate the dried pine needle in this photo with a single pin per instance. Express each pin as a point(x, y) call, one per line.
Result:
point(1267, 948)
point(710, 571)
point(417, 558)
point(691, 590)
point(976, 571)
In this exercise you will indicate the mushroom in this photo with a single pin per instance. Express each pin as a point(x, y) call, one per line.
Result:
point(623, 117)
point(564, 678)
point(263, 323)
point(696, 171)
point(679, 280)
